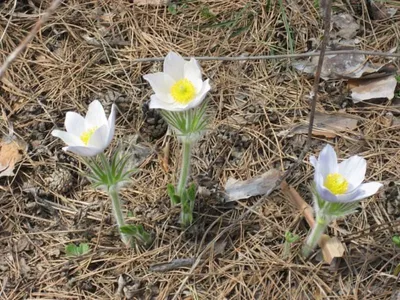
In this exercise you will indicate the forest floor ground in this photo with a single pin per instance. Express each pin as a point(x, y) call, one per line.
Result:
point(86, 51)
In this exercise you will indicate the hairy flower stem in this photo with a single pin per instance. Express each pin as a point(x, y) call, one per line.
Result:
point(315, 235)
point(116, 204)
point(186, 218)
point(185, 167)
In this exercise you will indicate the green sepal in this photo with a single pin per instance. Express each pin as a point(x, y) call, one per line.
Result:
point(107, 173)
point(188, 124)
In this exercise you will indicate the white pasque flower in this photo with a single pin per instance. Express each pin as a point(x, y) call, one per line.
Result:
point(341, 182)
point(88, 136)
point(180, 86)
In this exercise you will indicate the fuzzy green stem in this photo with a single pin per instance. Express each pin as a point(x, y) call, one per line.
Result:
point(116, 205)
point(315, 235)
point(185, 167)
point(186, 218)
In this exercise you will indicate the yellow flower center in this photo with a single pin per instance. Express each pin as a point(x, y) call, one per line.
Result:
point(86, 135)
point(336, 183)
point(183, 91)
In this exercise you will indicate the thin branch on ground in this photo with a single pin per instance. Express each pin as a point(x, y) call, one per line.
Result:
point(17, 51)
point(277, 56)
point(226, 230)
point(173, 265)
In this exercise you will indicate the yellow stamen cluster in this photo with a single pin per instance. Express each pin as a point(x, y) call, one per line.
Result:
point(86, 135)
point(183, 91)
point(336, 183)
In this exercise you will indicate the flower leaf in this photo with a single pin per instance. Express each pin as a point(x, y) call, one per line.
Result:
point(175, 199)
point(191, 192)
point(290, 237)
point(170, 190)
point(76, 250)
point(138, 232)
point(129, 230)
point(396, 240)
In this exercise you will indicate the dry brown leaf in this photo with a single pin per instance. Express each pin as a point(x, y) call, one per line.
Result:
point(343, 66)
point(11, 151)
point(22, 244)
point(362, 90)
point(260, 185)
point(346, 25)
point(327, 125)
point(379, 11)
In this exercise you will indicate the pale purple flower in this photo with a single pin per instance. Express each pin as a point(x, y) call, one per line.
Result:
point(341, 182)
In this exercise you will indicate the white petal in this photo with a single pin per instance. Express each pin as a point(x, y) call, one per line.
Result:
point(74, 123)
point(353, 169)
point(156, 102)
point(160, 82)
point(327, 161)
point(201, 96)
point(99, 138)
point(349, 197)
point(111, 125)
point(83, 150)
point(368, 189)
point(313, 161)
point(192, 72)
point(173, 65)
point(95, 116)
point(67, 137)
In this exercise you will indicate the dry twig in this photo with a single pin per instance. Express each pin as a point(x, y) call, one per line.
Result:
point(276, 56)
point(173, 265)
point(14, 54)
